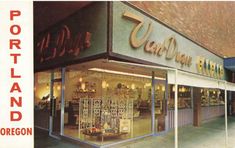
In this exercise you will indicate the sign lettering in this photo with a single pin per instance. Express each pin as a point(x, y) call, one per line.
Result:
point(169, 47)
point(209, 68)
point(51, 47)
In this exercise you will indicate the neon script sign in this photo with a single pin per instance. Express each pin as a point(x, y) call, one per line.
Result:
point(169, 47)
point(61, 44)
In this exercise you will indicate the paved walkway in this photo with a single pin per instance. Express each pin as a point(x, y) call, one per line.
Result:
point(209, 135)
point(42, 140)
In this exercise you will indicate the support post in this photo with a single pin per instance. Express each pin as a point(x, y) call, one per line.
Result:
point(153, 103)
point(176, 110)
point(226, 115)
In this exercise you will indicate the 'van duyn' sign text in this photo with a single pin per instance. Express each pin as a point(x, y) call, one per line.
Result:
point(62, 43)
point(169, 46)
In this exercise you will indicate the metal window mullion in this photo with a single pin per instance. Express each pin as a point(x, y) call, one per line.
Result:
point(192, 102)
point(62, 101)
point(153, 103)
point(166, 105)
point(51, 105)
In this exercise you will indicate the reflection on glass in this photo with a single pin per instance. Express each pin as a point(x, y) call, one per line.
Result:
point(42, 99)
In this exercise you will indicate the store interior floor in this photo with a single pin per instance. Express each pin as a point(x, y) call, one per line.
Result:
point(210, 135)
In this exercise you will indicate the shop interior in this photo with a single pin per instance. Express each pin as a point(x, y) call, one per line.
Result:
point(104, 102)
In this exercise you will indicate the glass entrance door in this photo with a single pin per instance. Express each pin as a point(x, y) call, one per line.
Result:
point(55, 101)
point(160, 105)
point(56, 108)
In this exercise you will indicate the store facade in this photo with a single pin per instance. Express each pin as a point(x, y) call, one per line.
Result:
point(110, 72)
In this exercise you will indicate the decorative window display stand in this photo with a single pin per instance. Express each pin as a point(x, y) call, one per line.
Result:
point(105, 118)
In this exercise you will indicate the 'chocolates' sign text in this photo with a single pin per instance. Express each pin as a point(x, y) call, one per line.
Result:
point(209, 68)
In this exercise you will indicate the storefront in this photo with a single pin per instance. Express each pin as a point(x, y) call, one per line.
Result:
point(110, 72)
point(229, 63)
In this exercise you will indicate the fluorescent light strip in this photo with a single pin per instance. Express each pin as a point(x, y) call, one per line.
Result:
point(124, 73)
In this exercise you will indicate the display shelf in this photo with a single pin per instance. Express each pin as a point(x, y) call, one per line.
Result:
point(184, 97)
point(211, 97)
point(183, 103)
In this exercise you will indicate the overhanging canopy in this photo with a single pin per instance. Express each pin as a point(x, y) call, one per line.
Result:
point(185, 78)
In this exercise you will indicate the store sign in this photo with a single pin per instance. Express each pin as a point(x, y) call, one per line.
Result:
point(169, 46)
point(79, 36)
point(51, 47)
point(140, 36)
point(209, 68)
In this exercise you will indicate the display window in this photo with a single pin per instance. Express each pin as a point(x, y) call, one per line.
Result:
point(103, 103)
point(43, 103)
point(42, 99)
point(160, 105)
point(106, 103)
point(184, 97)
point(212, 97)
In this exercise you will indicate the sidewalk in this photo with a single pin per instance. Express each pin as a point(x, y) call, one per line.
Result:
point(209, 135)
point(42, 140)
